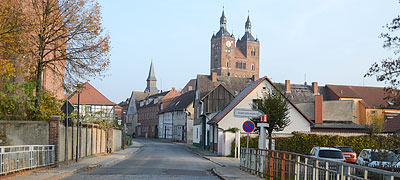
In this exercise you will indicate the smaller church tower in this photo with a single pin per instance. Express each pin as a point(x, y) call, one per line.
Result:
point(151, 81)
point(250, 48)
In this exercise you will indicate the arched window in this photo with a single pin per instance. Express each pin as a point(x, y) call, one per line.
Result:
point(227, 63)
point(252, 67)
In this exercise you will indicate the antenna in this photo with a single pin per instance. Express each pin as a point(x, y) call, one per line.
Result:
point(305, 79)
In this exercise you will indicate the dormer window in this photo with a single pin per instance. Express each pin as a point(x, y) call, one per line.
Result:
point(141, 103)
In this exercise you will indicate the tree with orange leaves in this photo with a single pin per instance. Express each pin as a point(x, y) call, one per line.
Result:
point(68, 40)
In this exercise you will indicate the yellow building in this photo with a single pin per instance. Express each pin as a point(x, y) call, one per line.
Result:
point(367, 101)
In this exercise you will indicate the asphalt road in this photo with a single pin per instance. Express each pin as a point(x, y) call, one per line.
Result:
point(156, 160)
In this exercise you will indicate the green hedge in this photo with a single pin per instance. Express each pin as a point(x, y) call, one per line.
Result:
point(303, 143)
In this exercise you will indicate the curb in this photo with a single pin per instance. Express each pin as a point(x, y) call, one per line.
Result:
point(205, 157)
point(215, 172)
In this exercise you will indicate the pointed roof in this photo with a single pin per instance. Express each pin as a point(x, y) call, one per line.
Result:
point(91, 96)
point(152, 76)
point(248, 22)
point(222, 30)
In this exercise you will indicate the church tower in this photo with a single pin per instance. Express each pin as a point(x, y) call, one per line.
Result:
point(236, 59)
point(222, 49)
point(151, 81)
point(250, 48)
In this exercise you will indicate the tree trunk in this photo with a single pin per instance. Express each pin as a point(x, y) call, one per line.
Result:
point(269, 139)
point(39, 86)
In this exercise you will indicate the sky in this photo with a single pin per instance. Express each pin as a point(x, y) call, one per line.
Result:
point(329, 41)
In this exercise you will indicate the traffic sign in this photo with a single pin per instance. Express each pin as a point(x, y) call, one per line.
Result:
point(247, 113)
point(70, 108)
point(264, 118)
point(248, 126)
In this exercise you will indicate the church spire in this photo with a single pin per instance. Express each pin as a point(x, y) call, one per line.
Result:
point(222, 30)
point(151, 80)
point(152, 76)
point(222, 20)
point(248, 24)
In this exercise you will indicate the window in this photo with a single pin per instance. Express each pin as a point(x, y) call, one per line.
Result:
point(252, 67)
point(227, 63)
point(373, 112)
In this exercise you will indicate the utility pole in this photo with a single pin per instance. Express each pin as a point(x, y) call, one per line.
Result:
point(77, 129)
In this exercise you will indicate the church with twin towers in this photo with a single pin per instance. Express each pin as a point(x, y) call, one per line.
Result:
point(235, 58)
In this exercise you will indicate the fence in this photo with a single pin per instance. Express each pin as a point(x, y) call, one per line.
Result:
point(16, 158)
point(286, 165)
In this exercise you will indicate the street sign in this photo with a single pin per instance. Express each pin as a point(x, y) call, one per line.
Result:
point(249, 113)
point(248, 126)
point(70, 108)
point(264, 118)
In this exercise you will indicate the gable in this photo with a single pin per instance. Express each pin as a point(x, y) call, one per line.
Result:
point(244, 100)
point(217, 99)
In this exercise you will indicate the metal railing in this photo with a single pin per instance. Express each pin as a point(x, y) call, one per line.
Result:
point(286, 165)
point(16, 158)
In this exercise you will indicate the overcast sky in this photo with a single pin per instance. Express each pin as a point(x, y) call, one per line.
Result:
point(329, 41)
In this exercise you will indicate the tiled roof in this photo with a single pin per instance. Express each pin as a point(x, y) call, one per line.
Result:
point(90, 95)
point(233, 84)
point(181, 103)
point(300, 93)
point(238, 54)
point(192, 83)
point(392, 125)
point(204, 84)
point(243, 94)
point(372, 96)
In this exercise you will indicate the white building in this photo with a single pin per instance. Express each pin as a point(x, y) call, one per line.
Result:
point(226, 118)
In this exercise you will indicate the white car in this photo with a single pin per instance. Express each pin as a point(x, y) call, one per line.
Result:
point(332, 154)
point(378, 158)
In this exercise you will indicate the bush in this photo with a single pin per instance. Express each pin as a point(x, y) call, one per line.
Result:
point(303, 143)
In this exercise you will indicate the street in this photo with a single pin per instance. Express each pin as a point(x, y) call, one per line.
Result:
point(156, 160)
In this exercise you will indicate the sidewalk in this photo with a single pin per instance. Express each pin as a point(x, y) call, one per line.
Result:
point(229, 167)
point(82, 165)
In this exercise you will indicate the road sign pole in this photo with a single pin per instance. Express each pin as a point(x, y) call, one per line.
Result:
point(66, 135)
point(247, 145)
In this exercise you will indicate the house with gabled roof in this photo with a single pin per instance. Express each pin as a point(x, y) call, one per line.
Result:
point(92, 101)
point(226, 118)
point(148, 110)
point(176, 121)
point(367, 101)
point(212, 94)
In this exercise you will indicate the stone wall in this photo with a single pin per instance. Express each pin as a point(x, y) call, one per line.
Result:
point(92, 138)
point(14, 133)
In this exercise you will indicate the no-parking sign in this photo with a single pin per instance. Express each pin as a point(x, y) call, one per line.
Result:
point(248, 126)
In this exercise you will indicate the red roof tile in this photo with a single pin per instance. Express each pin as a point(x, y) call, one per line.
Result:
point(392, 125)
point(372, 96)
point(90, 95)
point(239, 54)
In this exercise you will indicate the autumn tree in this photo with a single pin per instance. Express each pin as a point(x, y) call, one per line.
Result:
point(12, 31)
point(67, 39)
point(276, 107)
point(388, 69)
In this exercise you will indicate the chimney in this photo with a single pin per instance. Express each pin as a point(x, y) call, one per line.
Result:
point(318, 109)
point(254, 78)
point(214, 76)
point(287, 86)
point(315, 88)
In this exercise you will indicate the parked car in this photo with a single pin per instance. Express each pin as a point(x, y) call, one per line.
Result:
point(378, 158)
point(327, 153)
point(349, 154)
